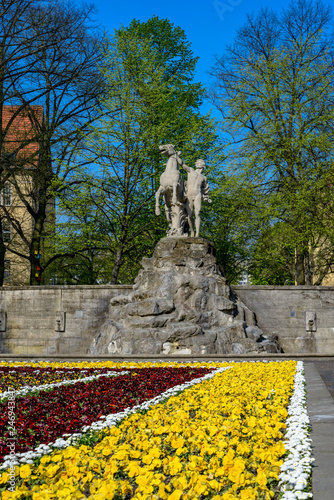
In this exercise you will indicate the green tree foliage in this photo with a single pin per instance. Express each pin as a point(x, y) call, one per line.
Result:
point(274, 87)
point(149, 100)
point(78, 237)
point(273, 257)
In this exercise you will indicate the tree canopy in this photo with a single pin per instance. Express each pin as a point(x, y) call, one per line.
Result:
point(274, 88)
point(110, 101)
point(149, 99)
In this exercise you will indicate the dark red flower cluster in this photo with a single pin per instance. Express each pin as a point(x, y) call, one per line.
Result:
point(44, 417)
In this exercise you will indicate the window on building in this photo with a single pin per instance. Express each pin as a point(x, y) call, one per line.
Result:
point(7, 270)
point(6, 231)
point(6, 195)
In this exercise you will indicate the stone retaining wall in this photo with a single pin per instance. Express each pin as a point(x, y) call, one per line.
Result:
point(31, 315)
point(282, 310)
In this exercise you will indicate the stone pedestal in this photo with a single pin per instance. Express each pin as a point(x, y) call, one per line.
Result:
point(181, 304)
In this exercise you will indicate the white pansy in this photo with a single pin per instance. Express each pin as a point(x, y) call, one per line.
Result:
point(301, 483)
point(296, 469)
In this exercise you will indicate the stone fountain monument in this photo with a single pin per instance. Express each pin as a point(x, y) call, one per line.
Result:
point(181, 302)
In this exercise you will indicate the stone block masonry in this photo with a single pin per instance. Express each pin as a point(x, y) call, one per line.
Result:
point(33, 315)
point(286, 311)
point(30, 316)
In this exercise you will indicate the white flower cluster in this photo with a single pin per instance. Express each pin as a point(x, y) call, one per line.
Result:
point(37, 388)
point(105, 421)
point(297, 468)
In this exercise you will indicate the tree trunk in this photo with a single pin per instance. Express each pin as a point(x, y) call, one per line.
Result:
point(299, 267)
point(35, 267)
point(2, 256)
point(35, 248)
point(308, 272)
point(117, 265)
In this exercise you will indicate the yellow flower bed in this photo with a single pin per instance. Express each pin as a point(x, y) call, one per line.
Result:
point(221, 439)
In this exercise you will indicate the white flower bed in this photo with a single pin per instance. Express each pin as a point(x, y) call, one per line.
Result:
point(104, 422)
point(296, 469)
point(37, 388)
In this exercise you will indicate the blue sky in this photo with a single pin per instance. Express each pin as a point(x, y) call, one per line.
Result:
point(209, 24)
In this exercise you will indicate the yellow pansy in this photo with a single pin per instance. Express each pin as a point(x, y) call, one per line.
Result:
point(25, 471)
point(175, 466)
point(4, 478)
point(176, 495)
point(134, 469)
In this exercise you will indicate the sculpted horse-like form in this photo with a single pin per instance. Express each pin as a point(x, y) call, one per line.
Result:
point(172, 190)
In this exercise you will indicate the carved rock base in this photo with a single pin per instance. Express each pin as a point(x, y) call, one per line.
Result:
point(181, 304)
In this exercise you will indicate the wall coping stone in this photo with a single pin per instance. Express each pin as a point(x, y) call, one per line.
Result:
point(161, 357)
point(66, 287)
point(129, 287)
point(281, 287)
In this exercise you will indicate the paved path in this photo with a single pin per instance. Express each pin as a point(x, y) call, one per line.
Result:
point(326, 370)
point(320, 407)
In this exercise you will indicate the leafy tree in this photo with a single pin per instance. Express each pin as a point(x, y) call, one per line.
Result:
point(274, 87)
point(273, 257)
point(85, 236)
point(149, 100)
point(79, 237)
point(224, 224)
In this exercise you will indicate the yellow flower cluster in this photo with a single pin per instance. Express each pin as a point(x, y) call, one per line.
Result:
point(221, 440)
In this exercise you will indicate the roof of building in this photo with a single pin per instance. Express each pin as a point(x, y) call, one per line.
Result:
point(20, 126)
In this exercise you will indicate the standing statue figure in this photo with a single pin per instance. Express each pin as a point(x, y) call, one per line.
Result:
point(181, 204)
point(173, 191)
point(197, 189)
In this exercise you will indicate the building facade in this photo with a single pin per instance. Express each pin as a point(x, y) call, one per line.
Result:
point(19, 157)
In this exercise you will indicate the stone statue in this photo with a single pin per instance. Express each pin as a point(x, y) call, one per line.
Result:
point(181, 204)
point(181, 302)
point(173, 191)
point(197, 189)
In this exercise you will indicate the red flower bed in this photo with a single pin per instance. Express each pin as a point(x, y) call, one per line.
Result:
point(47, 416)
